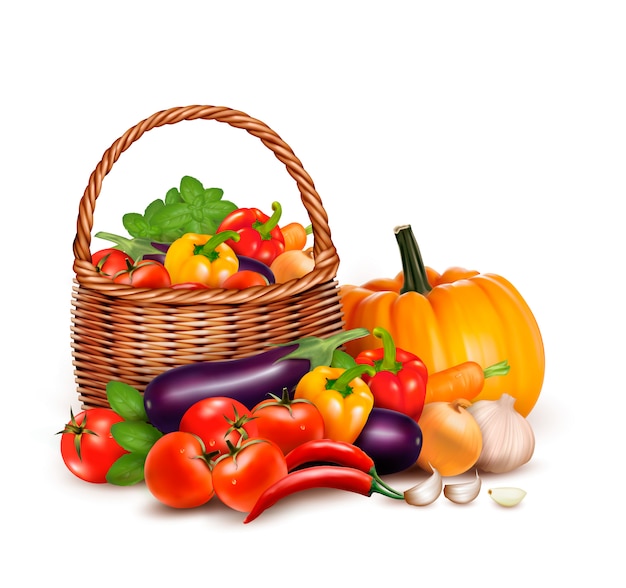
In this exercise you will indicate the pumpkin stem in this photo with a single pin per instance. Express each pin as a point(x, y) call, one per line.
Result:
point(415, 278)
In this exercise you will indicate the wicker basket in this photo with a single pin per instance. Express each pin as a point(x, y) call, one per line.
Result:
point(133, 334)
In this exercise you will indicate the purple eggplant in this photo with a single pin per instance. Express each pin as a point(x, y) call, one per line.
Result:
point(392, 439)
point(249, 263)
point(248, 380)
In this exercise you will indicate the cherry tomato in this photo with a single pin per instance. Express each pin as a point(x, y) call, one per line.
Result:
point(245, 279)
point(177, 471)
point(218, 419)
point(287, 422)
point(87, 445)
point(110, 261)
point(243, 474)
point(146, 273)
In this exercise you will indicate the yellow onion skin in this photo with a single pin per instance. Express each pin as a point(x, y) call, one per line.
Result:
point(451, 438)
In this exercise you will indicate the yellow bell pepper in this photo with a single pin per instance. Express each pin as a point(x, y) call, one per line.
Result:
point(205, 259)
point(342, 397)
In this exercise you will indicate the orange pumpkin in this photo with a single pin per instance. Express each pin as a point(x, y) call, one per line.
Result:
point(460, 315)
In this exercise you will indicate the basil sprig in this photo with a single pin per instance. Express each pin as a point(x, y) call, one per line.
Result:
point(134, 434)
point(192, 208)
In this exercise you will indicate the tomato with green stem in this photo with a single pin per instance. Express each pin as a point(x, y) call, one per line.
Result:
point(88, 448)
point(246, 471)
point(177, 471)
point(146, 273)
point(288, 422)
point(110, 261)
point(217, 420)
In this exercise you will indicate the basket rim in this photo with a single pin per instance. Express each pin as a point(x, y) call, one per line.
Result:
point(326, 259)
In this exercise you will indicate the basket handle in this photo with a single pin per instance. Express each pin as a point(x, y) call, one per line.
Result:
point(326, 258)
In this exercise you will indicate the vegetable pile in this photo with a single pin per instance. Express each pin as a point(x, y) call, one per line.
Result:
point(419, 380)
point(194, 239)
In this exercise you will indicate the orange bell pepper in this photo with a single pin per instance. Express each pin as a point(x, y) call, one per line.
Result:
point(205, 259)
point(342, 397)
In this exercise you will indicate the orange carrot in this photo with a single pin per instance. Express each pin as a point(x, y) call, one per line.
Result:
point(295, 235)
point(465, 380)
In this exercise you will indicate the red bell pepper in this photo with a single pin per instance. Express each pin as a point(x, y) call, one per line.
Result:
point(400, 380)
point(260, 235)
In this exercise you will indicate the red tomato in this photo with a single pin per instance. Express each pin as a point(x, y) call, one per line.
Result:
point(176, 471)
point(244, 279)
point(218, 419)
point(87, 445)
point(146, 273)
point(288, 423)
point(110, 261)
point(242, 475)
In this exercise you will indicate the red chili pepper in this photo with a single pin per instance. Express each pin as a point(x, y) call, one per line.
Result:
point(329, 451)
point(260, 235)
point(400, 379)
point(337, 477)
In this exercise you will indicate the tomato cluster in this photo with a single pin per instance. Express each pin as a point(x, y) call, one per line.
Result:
point(221, 448)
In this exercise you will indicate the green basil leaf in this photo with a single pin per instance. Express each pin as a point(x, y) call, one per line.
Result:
point(126, 401)
point(190, 189)
point(200, 227)
point(213, 194)
point(172, 217)
point(173, 196)
point(135, 436)
point(136, 225)
point(127, 470)
point(218, 211)
point(152, 208)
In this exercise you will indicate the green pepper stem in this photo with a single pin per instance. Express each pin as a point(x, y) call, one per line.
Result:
point(415, 278)
point(341, 384)
point(388, 363)
point(271, 223)
point(497, 369)
point(208, 249)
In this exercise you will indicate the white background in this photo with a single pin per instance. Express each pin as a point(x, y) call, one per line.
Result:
point(496, 129)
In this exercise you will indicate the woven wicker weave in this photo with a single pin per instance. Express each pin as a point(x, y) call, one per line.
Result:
point(132, 334)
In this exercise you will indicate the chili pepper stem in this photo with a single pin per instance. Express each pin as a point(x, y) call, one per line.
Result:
point(415, 278)
point(393, 493)
point(380, 487)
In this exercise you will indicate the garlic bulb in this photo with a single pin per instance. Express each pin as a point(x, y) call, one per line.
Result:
point(508, 438)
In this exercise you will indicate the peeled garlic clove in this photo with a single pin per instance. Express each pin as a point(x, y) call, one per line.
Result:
point(507, 496)
point(464, 492)
point(426, 491)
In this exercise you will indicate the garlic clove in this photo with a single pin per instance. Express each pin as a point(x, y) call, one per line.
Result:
point(426, 492)
point(464, 492)
point(507, 496)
